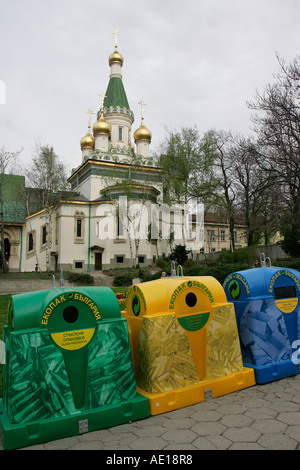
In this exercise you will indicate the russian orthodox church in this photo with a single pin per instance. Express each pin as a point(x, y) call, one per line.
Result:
point(107, 219)
point(86, 231)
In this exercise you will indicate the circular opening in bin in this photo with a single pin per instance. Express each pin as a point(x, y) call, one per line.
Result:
point(191, 299)
point(70, 314)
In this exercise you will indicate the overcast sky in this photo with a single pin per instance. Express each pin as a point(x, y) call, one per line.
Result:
point(193, 62)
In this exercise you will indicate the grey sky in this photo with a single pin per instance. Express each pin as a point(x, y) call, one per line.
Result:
point(194, 62)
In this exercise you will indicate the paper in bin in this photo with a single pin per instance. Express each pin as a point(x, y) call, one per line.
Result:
point(39, 386)
point(263, 334)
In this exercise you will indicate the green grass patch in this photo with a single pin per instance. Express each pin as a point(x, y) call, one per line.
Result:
point(28, 275)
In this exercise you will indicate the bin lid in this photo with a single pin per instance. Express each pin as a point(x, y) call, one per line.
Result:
point(274, 282)
point(190, 299)
point(61, 309)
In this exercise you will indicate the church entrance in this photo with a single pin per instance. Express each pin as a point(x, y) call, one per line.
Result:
point(98, 261)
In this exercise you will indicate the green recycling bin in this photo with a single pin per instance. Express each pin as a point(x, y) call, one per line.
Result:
point(68, 366)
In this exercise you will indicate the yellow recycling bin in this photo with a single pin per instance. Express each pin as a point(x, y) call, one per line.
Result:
point(184, 341)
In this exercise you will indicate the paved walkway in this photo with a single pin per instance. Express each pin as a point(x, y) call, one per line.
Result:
point(263, 417)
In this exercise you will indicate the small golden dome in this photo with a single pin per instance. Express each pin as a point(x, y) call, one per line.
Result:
point(88, 141)
point(115, 57)
point(142, 133)
point(101, 126)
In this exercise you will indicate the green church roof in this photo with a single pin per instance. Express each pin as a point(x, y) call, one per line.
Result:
point(115, 94)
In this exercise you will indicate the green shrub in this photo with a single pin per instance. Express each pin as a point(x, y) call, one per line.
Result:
point(162, 264)
point(218, 271)
point(123, 280)
point(80, 278)
point(245, 255)
point(293, 264)
point(180, 254)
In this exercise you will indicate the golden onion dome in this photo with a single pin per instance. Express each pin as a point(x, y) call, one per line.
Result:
point(115, 57)
point(142, 133)
point(101, 126)
point(88, 141)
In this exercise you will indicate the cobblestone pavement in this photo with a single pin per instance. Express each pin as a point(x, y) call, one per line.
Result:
point(265, 417)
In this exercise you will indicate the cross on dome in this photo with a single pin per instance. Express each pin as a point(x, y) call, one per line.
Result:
point(116, 33)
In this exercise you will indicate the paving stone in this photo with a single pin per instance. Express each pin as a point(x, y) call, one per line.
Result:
point(220, 442)
point(296, 399)
point(202, 443)
point(151, 431)
point(128, 427)
point(95, 435)
point(277, 442)
point(181, 413)
point(291, 418)
point(282, 405)
point(179, 436)
point(120, 439)
point(245, 434)
point(208, 428)
point(157, 419)
point(91, 445)
point(246, 446)
point(114, 447)
point(230, 409)
point(261, 413)
point(61, 444)
point(269, 426)
point(212, 415)
point(180, 423)
point(257, 403)
point(206, 405)
point(236, 421)
point(144, 443)
point(293, 432)
point(180, 447)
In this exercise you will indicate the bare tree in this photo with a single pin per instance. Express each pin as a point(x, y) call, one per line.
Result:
point(47, 174)
point(254, 188)
point(277, 124)
point(224, 163)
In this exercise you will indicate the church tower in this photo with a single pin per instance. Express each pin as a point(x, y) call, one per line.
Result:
point(112, 132)
point(111, 152)
point(116, 110)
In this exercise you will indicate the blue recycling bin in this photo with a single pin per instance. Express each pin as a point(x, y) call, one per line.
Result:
point(266, 302)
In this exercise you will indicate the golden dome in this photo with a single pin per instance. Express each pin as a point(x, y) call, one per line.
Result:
point(88, 141)
point(142, 133)
point(101, 126)
point(115, 57)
